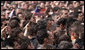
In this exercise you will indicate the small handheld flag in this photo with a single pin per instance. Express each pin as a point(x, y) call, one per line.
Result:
point(37, 10)
point(10, 15)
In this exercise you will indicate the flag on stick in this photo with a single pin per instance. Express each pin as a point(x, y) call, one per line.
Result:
point(11, 14)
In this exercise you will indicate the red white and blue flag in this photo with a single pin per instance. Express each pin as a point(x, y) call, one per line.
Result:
point(39, 11)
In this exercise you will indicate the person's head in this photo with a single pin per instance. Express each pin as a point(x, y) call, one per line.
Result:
point(47, 4)
point(61, 4)
point(42, 5)
point(26, 44)
point(15, 32)
point(4, 21)
point(64, 12)
point(41, 36)
point(76, 28)
point(13, 23)
point(76, 46)
point(14, 5)
point(20, 16)
point(50, 37)
point(23, 43)
point(25, 6)
point(65, 45)
point(41, 24)
point(56, 3)
point(33, 19)
point(75, 3)
point(70, 5)
point(18, 10)
point(28, 16)
point(32, 30)
point(48, 46)
point(2, 16)
point(62, 22)
point(7, 12)
point(80, 17)
point(58, 35)
point(64, 38)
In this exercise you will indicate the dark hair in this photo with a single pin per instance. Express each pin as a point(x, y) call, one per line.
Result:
point(14, 32)
point(62, 21)
point(19, 13)
point(28, 16)
point(77, 27)
point(68, 20)
point(41, 24)
point(49, 18)
point(48, 46)
point(57, 35)
point(25, 43)
point(15, 18)
point(41, 34)
point(55, 9)
point(65, 45)
point(64, 38)
point(71, 20)
point(8, 41)
point(13, 23)
point(32, 28)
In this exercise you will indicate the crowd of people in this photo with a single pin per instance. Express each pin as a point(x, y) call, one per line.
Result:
point(42, 24)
